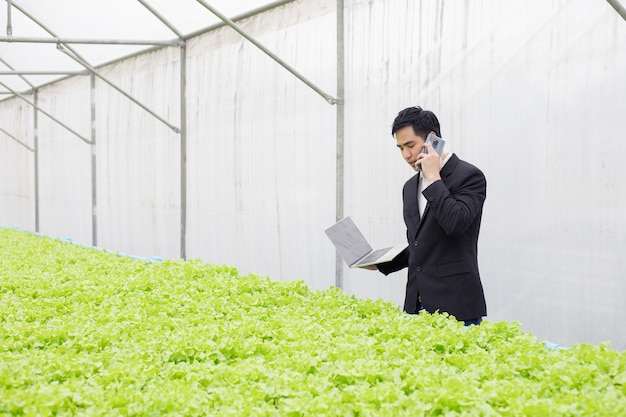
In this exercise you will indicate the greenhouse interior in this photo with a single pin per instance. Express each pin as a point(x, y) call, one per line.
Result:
point(208, 137)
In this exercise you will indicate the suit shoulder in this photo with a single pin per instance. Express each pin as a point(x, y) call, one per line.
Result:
point(412, 180)
point(469, 168)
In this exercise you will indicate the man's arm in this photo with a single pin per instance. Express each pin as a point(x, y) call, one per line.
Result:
point(456, 211)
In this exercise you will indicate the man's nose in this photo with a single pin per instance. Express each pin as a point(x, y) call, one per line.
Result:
point(406, 153)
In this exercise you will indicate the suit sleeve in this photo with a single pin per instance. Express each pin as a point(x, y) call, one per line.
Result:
point(457, 208)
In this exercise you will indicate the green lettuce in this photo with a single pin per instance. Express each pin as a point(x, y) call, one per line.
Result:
point(86, 332)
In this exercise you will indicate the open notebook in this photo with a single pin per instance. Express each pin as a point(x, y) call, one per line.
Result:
point(355, 249)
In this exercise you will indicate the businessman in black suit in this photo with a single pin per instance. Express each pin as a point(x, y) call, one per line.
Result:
point(443, 206)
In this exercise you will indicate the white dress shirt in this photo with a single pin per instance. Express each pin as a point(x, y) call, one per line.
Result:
point(423, 184)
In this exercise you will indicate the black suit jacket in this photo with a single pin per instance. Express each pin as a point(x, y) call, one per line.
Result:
point(442, 255)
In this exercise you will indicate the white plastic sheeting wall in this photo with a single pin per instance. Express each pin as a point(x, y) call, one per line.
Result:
point(17, 164)
point(65, 161)
point(138, 157)
point(261, 146)
point(530, 91)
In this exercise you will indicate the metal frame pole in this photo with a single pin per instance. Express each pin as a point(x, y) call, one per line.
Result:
point(183, 152)
point(17, 140)
point(69, 51)
point(44, 112)
point(94, 172)
point(183, 127)
point(124, 93)
point(43, 73)
point(330, 99)
point(170, 26)
point(19, 74)
point(9, 26)
point(66, 41)
point(618, 8)
point(339, 170)
point(36, 143)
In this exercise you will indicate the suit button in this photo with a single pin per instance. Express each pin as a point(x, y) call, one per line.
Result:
point(418, 269)
point(416, 243)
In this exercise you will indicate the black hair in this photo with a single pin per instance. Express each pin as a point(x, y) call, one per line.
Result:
point(423, 121)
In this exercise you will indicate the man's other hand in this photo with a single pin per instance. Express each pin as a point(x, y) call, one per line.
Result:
point(370, 267)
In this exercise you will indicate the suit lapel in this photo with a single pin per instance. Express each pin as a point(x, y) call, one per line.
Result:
point(422, 217)
point(419, 219)
point(412, 213)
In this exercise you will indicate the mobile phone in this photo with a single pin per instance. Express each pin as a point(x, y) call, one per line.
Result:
point(437, 143)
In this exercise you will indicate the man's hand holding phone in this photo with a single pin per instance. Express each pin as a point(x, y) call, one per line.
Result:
point(429, 161)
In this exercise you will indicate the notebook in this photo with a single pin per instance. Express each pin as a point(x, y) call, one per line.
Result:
point(355, 249)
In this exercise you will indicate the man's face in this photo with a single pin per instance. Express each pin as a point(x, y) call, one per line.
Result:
point(410, 144)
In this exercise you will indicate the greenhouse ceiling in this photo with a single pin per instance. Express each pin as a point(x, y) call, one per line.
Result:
point(44, 41)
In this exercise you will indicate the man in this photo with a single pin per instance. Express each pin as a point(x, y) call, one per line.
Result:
point(443, 206)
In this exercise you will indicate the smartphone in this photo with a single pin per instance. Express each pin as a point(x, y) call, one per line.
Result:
point(437, 143)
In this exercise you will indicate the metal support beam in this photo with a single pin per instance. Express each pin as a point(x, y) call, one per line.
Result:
point(330, 99)
point(43, 73)
point(9, 27)
point(163, 20)
point(124, 93)
point(17, 140)
point(183, 127)
point(183, 152)
point(94, 182)
point(618, 8)
point(20, 75)
point(36, 141)
point(251, 13)
point(339, 170)
point(15, 93)
point(69, 51)
point(67, 41)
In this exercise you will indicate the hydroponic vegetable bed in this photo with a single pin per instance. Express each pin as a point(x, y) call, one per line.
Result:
point(87, 332)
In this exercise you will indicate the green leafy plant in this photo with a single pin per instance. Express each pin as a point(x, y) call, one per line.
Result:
point(87, 332)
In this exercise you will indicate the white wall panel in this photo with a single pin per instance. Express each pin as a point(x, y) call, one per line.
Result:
point(138, 156)
point(65, 161)
point(262, 146)
point(17, 161)
point(555, 230)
